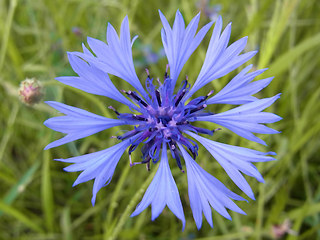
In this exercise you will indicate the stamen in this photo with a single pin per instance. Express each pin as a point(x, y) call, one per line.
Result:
point(158, 97)
point(132, 148)
point(198, 108)
point(130, 160)
point(184, 88)
point(199, 100)
point(148, 166)
point(139, 118)
point(130, 133)
point(180, 97)
point(183, 123)
point(202, 130)
point(113, 109)
point(147, 160)
point(194, 153)
point(210, 93)
point(166, 73)
point(148, 73)
point(136, 97)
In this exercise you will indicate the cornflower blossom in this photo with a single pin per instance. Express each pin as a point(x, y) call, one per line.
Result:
point(163, 116)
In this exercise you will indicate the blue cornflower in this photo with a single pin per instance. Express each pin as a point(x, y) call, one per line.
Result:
point(163, 116)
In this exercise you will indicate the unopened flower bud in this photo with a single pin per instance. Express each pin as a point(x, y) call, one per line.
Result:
point(30, 91)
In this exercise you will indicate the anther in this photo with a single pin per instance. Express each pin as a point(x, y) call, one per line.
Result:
point(148, 73)
point(136, 97)
point(180, 97)
point(198, 108)
point(166, 73)
point(113, 109)
point(193, 154)
point(205, 98)
point(182, 123)
point(147, 161)
point(158, 97)
point(148, 166)
point(131, 149)
point(139, 118)
point(210, 93)
point(130, 160)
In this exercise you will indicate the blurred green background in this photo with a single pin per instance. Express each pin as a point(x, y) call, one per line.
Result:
point(37, 200)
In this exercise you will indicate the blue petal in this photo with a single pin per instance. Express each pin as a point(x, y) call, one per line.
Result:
point(220, 59)
point(115, 57)
point(180, 42)
point(246, 119)
point(234, 159)
point(204, 189)
point(77, 123)
point(86, 50)
point(239, 89)
point(161, 192)
point(99, 166)
point(92, 80)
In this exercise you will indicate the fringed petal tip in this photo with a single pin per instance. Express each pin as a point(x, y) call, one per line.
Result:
point(205, 191)
point(247, 119)
point(77, 123)
point(162, 192)
point(220, 58)
point(234, 160)
point(241, 88)
point(180, 42)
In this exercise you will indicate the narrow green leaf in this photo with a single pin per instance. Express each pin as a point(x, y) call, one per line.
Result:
point(20, 185)
point(20, 217)
point(283, 62)
point(46, 192)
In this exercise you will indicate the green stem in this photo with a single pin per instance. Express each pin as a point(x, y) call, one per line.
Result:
point(129, 208)
point(116, 193)
point(6, 34)
point(8, 132)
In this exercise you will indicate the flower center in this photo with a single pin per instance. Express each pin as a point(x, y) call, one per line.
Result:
point(163, 118)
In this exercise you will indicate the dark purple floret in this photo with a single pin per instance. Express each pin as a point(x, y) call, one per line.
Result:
point(163, 117)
